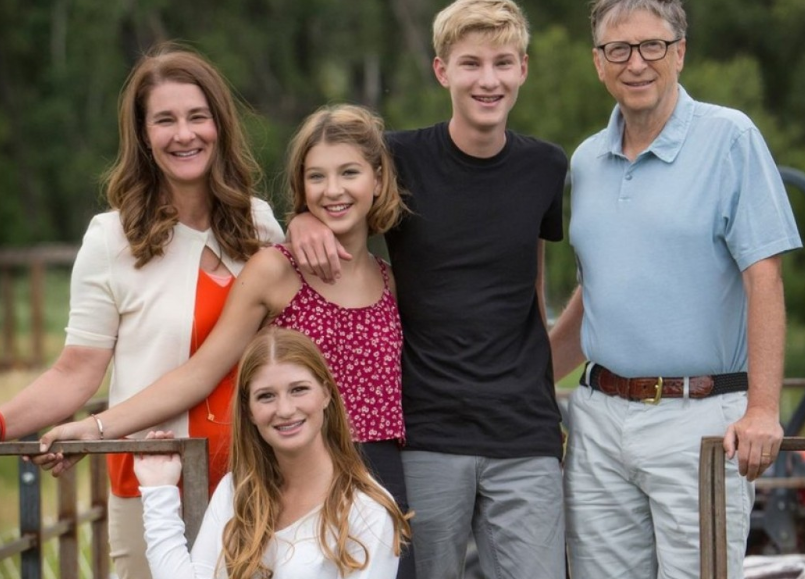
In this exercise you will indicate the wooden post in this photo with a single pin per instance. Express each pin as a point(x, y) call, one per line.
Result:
point(99, 493)
point(67, 513)
point(38, 312)
point(713, 504)
point(708, 498)
point(9, 321)
point(31, 517)
point(37, 259)
point(194, 468)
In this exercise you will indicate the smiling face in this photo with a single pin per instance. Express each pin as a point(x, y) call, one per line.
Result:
point(645, 89)
point(484, 80)
point(286, 404)
point(340, 187)
point(180, 132)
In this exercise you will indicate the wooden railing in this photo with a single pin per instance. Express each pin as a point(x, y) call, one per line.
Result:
point(33, 534)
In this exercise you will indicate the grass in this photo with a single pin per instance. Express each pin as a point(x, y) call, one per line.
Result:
point(794, 368)
point(56, 301)
point(795, 351)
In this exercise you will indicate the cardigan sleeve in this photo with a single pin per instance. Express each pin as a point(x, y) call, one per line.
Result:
point(268, 229)
point(94, 314)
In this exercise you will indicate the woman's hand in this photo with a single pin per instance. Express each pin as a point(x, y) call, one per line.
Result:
point(154, 470)
point(56, 462)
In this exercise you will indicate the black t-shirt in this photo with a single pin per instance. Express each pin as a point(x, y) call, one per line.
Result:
point(477, 376)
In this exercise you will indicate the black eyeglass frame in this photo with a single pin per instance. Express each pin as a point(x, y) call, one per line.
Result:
point(667, 43)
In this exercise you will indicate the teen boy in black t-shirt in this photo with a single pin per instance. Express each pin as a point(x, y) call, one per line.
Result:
point(483, 438)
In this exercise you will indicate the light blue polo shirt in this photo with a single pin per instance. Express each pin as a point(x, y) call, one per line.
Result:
point(661, 242)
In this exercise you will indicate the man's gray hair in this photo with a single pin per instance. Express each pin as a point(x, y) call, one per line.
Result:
point(615, 11)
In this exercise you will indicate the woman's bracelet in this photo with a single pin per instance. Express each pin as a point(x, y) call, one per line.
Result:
point(99, 423)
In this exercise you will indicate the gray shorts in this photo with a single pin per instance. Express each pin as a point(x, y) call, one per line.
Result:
point(513, 507)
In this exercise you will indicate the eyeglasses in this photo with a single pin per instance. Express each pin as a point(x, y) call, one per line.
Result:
point(650, 50)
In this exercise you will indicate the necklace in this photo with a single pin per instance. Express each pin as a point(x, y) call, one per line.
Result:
point(210, 415)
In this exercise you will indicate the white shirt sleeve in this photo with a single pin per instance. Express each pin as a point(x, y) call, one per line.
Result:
point(166, 550)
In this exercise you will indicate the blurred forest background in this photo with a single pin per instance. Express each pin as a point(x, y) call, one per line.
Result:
point(63, 62)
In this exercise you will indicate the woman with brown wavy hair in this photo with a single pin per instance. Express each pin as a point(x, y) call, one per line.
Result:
point(154, 271)
point(299, 502)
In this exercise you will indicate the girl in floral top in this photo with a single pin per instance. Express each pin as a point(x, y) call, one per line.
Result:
point(340, 171)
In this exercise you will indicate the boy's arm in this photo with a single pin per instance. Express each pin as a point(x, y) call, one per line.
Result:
point(316, 249)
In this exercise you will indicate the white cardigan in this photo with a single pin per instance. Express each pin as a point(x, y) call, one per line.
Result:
point(145, 315)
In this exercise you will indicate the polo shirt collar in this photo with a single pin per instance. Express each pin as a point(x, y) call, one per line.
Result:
point(667, 144)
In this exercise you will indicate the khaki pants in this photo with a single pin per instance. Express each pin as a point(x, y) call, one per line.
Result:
point(126, 541)
point(632, 486)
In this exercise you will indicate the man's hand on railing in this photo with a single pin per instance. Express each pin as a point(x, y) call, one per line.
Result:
point(154, 470)
point(756, 439)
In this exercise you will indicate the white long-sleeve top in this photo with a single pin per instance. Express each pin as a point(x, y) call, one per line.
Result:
point(145, 315)
point(293, 553)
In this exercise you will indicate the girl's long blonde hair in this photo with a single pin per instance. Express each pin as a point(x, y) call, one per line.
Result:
point(258, 481)
point(134, 183)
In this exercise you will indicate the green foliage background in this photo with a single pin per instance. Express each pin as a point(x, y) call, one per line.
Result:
point(62, 63)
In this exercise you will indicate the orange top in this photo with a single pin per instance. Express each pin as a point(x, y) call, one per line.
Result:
point(209, 419)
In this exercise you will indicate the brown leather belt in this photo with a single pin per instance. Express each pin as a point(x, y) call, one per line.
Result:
point(652, 390)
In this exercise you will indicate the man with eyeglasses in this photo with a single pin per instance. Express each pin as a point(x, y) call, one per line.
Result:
point(679, 217)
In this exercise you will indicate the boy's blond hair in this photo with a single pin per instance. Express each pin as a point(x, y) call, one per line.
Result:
point(501, 20)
